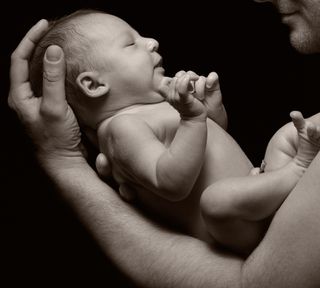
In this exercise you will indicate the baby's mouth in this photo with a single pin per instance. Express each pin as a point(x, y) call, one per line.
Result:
point(159, 64)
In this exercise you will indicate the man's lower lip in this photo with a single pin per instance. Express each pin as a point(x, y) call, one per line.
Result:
point(286, 17)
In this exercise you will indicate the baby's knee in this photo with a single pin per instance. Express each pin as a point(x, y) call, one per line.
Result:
point(212, 203)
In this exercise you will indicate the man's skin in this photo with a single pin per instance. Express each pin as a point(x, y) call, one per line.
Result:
point(151, 255)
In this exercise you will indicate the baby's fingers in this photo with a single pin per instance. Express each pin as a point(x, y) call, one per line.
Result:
point(183, 86)
point(200, 85)
point(212, 82)
point(180, 74)
point(171, 93)
point(165, 87)
point(193, 76)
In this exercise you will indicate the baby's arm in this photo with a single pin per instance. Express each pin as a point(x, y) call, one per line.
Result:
point(136, 154)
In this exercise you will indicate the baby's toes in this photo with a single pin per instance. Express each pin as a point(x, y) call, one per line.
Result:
point(298, 120)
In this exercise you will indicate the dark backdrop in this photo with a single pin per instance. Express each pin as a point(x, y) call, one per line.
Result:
point(262, 80)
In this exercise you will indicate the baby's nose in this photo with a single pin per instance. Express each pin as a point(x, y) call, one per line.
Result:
point(152, 44)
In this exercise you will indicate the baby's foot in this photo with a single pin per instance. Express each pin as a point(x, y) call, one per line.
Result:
point(308, 139)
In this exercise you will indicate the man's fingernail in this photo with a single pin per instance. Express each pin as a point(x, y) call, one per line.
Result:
point(53, 53)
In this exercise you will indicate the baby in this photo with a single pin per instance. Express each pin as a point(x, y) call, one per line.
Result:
point(166, 136)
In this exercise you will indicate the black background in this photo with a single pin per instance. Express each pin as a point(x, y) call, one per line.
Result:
point(262, 79)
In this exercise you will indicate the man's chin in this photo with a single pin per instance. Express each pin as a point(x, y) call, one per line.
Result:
point(304, 42)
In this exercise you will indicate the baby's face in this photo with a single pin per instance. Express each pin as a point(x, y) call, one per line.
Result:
point(129, 62)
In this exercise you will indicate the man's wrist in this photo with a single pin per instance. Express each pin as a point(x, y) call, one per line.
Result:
point(58, 162)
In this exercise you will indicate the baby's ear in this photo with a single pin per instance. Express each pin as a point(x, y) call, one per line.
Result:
point(92, 85)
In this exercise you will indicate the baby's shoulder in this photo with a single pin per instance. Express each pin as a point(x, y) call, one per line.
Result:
point(125, 123)
point(131, 127)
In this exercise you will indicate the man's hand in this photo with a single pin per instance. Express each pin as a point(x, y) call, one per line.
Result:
point(48, 119)
point(103, 167)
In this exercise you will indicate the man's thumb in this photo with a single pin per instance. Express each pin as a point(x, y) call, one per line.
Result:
point(54, 78)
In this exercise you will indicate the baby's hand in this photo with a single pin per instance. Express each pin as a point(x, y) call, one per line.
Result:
point(183, 97)
point(207, 90)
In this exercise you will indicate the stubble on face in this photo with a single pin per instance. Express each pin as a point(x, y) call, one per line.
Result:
point(304, 25)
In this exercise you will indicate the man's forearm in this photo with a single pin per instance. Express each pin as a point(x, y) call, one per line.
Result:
point(149, 254)
point(289, 255)
point(155, 257)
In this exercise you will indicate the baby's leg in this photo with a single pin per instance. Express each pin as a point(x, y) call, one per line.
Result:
point(227, 217)
point(238, 210)
point(309, 139)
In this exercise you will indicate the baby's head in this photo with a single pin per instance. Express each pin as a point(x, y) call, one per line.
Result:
point(110, 67)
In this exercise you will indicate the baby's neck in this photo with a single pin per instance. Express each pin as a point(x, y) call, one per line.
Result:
point(127, 110)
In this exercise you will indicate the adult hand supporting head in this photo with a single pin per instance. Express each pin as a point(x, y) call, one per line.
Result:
point(48, 119)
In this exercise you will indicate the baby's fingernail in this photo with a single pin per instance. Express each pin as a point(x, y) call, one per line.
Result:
point(209, 85)
point(53, 53)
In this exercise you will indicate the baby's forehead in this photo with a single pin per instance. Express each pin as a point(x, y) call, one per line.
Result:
point(102, 25)
point(102, 21)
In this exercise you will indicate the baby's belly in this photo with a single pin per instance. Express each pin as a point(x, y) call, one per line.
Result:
point(184, 216)
point(223, 158)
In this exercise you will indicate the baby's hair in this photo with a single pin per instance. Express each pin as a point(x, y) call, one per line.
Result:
point(65, 33)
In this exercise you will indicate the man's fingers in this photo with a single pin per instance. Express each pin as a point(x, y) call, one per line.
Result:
point(103, 166)
point(19, 72)
point(127, 193)
point(54, 99)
